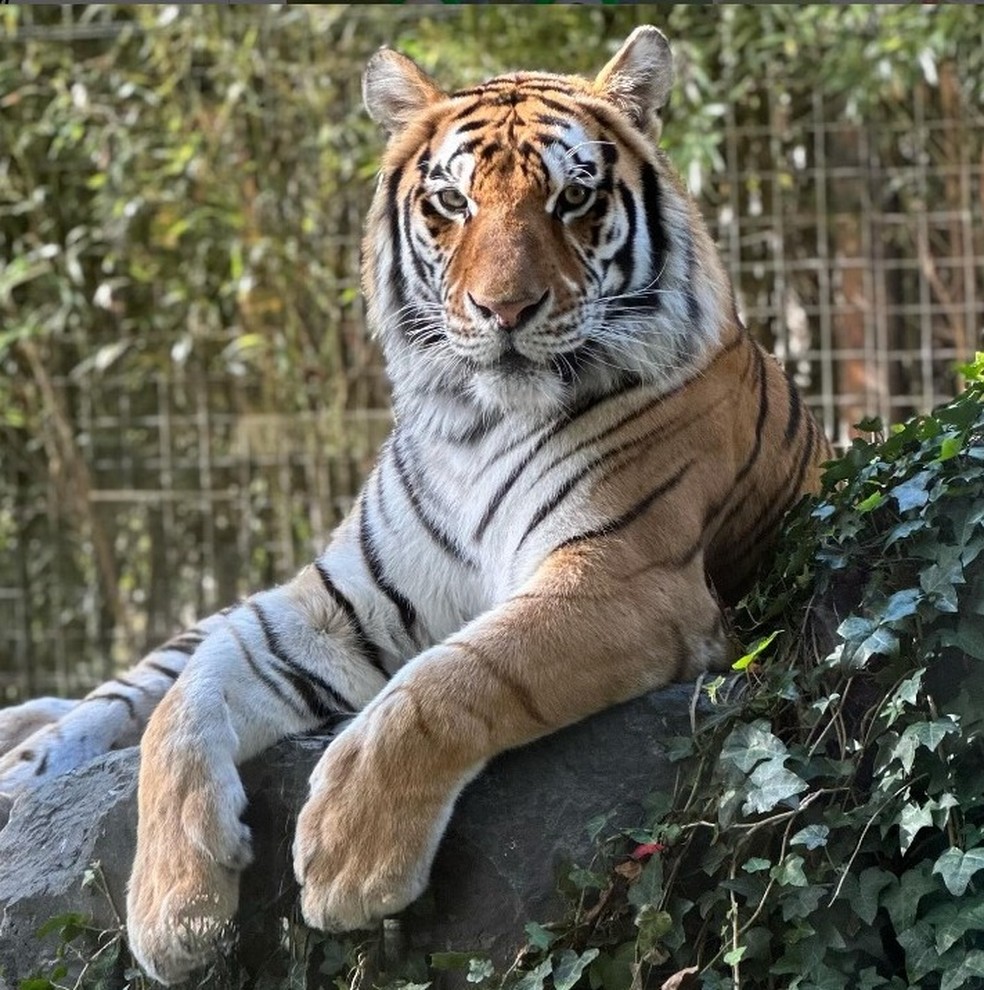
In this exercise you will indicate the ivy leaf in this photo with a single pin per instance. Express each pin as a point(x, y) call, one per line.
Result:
point(953, 920)
point(748, 745)
point(901, 604)
point(535, 978)
point(569, 965)
point(771, 783)
point(479, 970)
point(972, 964)
point(648, 889)
point(742, 662)
point(871, 883)
point(653, 925)
point(789, 873)
point(920, 953)
point(538, 936)
point(813, 836)
point(911, 819)
point(956, 867)
point(901, 900)
point(756, 864)
point(912, 494)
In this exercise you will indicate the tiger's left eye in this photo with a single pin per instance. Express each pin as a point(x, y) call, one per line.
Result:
point(452, 200)
point(574, 195)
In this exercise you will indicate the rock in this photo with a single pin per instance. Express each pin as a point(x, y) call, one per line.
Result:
point(514, 830)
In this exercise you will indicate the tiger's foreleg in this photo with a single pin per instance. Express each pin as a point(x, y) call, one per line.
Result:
point(50, 736)
point(584, 634)
point(282, 662)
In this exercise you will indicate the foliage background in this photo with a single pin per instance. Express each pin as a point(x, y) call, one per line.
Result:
point(187, 398)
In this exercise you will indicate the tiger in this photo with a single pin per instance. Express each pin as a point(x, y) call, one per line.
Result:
point(590, 457)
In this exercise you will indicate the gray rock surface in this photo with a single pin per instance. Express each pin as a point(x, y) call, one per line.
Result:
point(514, 829)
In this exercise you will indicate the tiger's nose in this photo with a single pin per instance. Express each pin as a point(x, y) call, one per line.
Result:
point(508, 313)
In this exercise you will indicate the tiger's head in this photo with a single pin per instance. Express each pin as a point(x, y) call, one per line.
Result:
point(528, 245)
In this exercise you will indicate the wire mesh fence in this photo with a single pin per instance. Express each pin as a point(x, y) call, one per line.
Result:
point(165, 473)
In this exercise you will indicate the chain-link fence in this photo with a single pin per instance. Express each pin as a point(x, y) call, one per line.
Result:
point(161, 471)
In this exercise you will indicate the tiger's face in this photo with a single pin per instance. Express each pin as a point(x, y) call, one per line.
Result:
point(527, 243)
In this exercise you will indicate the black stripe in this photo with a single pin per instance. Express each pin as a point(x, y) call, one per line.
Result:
point(622, 258)
point(561, 424)
point(406, 240)
point(654, 225)
point(408, 614)
point(520, 691)
point(397, 275)
point(693, 306)
point(366, 646)
point(272, 686)
point(565, 489)
point(161, 669)
point(614, 525)
point(113, 696)
point(304, 681)
point(658, 400)
point(130, 684)
point(763, 412)
point(768, 518)
point(736, 506)
point(449, 546)
point(795, 409)
point(188, 649)
point(481, 427)
point(472, 125)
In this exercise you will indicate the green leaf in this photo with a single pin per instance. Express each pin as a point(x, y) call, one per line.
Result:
point(812, 836)
point(479, 970)
point(957, 867)
point(742, 662)
point(950, 447)
point(952, 920)
point(747, 745)
point(769, 784)
point(921, 956)
point(653, 925)
point(965, 973)
point(871, 502)
point(789, 873)
point(734, 957)
point(912, 494)
point(648, 887)
point(453, 960)
point(538, 936)
point(872, 882)
point(756, 864)
point(585, 879)
point(912, 818)
point(569, 965)
point(901, 604)
point(534, 979)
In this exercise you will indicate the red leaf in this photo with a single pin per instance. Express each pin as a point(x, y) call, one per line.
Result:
point(647, 849)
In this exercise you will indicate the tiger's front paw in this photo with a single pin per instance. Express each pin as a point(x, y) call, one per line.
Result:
point(367, 835)
point(184, 889)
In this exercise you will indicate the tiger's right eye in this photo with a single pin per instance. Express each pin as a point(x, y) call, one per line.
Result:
point(453, 200)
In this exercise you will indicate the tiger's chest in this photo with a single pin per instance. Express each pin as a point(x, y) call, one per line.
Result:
point(468, 523)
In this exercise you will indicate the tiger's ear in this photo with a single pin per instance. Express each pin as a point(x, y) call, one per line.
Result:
point(639, 76)
point(395, 88)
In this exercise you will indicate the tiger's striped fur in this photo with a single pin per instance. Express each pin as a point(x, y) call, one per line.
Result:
point(589, 454)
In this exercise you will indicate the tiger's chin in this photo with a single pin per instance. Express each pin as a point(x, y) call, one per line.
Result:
point(523, 388)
